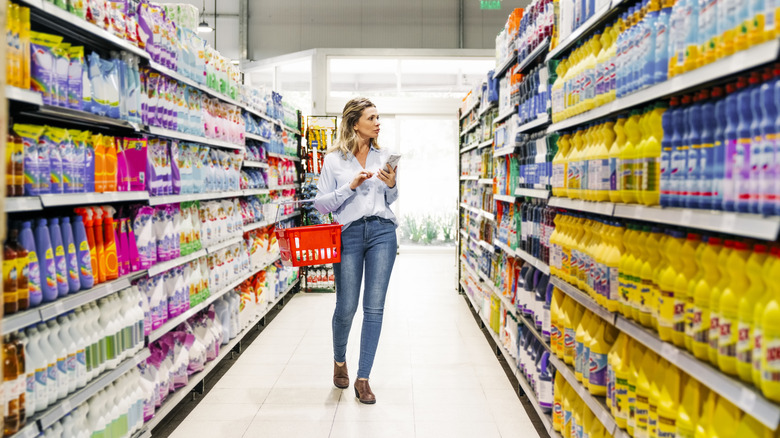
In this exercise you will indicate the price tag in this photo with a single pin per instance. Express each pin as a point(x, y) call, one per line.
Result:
point(729, 221)
point(747, 399)
point(687, 217)
point(66, 406)
point(639, 211)
point(669, 352)
point(59, 307)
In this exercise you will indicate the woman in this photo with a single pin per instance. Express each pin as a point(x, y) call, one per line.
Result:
point(354, 186)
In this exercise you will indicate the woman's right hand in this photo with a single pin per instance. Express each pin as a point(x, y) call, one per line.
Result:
point(360, 178)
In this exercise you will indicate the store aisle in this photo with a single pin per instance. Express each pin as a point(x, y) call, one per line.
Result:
point(435, 374)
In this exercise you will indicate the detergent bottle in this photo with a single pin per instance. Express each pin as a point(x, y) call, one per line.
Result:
point(726, 133)
point(619, 368)
point(767, 168)
point(590, 332)
point(588, 420)
point(682, 283)
point(46, 261)
point(655, 375)
point(600, 346)
point(97, 213)
point(746, 308)
point(669, 404)
point(573, 315)
point(640, 302)
point(569, 398)
point(649, 289)
point(707, 413)
point(770, 343)
point(71, 256)
point(688, 414)
point(600, 162)
point(701, 297)
point(560, 165)
point(612, 260)
point(690, 305)
point(89, 227)
point(635, 357)
point(557, 321)
point(668, 126)
point(693, 179)
point(579, 340)
point(558, 391)
point(84, 258)
point(661, 30)
point(679, 154)
point(747, 130)
point(34, 280)
point(749, 427)
point(757, 337)
point(615, 161)
point(738, 138)
point(730, 298)
point(109, 243)
point(715, 294)
point(725, 419)
point(628, 157)
point(60, 261)
point(651, 154)
point(707, 151)
point(627, 259)
point(643, 392)
point(671, 323)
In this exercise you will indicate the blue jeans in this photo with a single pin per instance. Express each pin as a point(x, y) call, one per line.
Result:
point(371, 242)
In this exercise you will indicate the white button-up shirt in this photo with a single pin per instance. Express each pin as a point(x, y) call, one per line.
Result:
point(372, 198)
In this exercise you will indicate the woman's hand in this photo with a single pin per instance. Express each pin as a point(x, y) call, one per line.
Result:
point(360, 178)
point(387, 175)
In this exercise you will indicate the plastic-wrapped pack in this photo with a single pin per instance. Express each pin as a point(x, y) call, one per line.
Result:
point(145, 238)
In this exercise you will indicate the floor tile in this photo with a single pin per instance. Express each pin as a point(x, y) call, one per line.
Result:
point(372, 429)
point(324, 394)
point(288, 429)
point(299, 412)
point(207, 411)
point(350, 409)
point(456, 429)
point(238, 395)
point(222, 429)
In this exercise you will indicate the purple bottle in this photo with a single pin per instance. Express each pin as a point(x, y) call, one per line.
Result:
point(34, 271)
point(71, 256)
point(747, 184)
point(60, 262)
point(46, 262)
point(84, 258)
point(737, 141)
point(766, 170)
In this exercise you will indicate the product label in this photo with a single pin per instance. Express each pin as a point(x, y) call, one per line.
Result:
point(29, 385)
point(666, 307)
point(771, 372)
point(597, 363)
point(641, 417)
point(71, 363)
point(568, 342)
point(767, 168)
point(645, 294)
point(744, 347)
point(700, 330)
point(731, 172)
point(678, 170)
point(545, 394)
point(742, 163)
point(614, 181)
point(714, 330)
point(62, 366)
point(727, 344)
point(652, 420)
point(757, 340)
point(620, 406)
point(579, 357)
point(627, 175)
point(667, 427)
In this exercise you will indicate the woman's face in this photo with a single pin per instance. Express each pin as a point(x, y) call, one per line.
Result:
point(368, 125)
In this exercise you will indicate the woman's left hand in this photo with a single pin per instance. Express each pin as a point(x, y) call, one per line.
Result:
point(387, 175)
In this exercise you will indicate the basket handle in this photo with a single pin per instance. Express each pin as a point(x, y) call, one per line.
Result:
point(298, 202)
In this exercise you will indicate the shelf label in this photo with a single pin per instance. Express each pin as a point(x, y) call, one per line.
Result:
point(687, 217)
point(669, 352)
point(729, 221)
point(747, 399)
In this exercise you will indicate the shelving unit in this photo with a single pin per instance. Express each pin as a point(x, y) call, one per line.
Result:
point(256, 137)
point(469, 128)
point(532, 193)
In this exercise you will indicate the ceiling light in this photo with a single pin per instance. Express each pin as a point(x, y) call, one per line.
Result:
point(204, 27)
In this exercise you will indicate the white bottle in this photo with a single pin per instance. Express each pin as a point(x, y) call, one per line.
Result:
point(58, 430)
point(86, 331)
point(68, 424)
point(52, 381)
point(112, 402)
point(95, 337)
point(80, 341)
point(27, 382)
point(70, 347)
point(109, 322)
point(62, 358)
point(40, 397)
point(125, 415)
point(101, 331)
point(95, 419)
point(235, 305)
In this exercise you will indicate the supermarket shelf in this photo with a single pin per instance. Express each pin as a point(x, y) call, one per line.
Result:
point(747, 398)
point(523, 63)
point(256, 113)
point(506, 150)
point(511, 308)
point(739, 62)
point(485, 181)
point(284, 187)
point(738, 224)
point(503, 116)
point(293, 130)
point(202, 87)
point(222, 245)
point(470, 147)
point(22, 203)
point(477, 277)
point(485, 143)
point(253, 192)
point(505, 198)
point(605, 208)
point(540, 121)
point(175, 199)
point(283, 156)
point(532, 328)
point(194, 380)
point(18, 321)
point(469, 128)
point(51, 415)
point(29, 431)
point(49, 112)
point(161, 132)
point(469, 178)
point(167, 265)
point(510, 61)
point(584, 299)
point(532, 193)
point(256, 137)
point(487, 246)
point(469, 109)
point(289, 216)
point(256, 164)
point(255, 225)
point(464, 234)
point(584, 29)
point(490, 105)
point(519, 253)
point(747, 225)
point(596, 404)
point(23, 96)
point(62, 22)
point(61, 200)
point(479, 211)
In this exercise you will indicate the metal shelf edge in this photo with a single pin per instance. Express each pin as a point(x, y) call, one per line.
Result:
point(584, 299)
point(170, 264)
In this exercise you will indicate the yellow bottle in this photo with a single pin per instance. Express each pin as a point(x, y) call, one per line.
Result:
point(715, 294)
point(725, 419)
point(600, 347)
point(747, 305)
point(575, 166)
point(650, 157)
point(649, 290)
point(643, 392)
point(556, 322)
point(558, 391)
point(612, 261)
point(557, 92)
point(600, 162)
point(749, 427)
point(587, 421)
point(569, 398)
point(628, 157)
point(13, 52)
point(658, 370)
point(671, 308)
point(682, 284)
point(669, 404)
point(24, 36)
point(701, 298)
point(644, 132)
point(619, 367)
point(589, 68)
point(690, 306)
point(573, 316)
point(689, 412)
point(590, 153)
point(577, 417)
point(663, 262)
point(707, 414)
point(729, 308)
point(770, 343)
point(627, 259)
point(615, 160)
point(602, 251)
point(636, 355)
point(602, 66)
point(561, 165)
point(639, 301)
point(579, 340)
point(757, 338)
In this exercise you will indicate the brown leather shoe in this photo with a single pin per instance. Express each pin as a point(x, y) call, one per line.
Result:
point(340, 376)
point(363, 392)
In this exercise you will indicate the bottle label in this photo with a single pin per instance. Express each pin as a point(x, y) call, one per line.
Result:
point(742, 162)
point(727, 344)
point(29, 384)
point(771, 372)
point(652, 419)
point(744, 347)
point(667, 311)
point(578, 357)
point(598, 369)
point(71, 363)
point(51, 371)
point(62, 365)
point(731, 172)
point(645, 295)
point(678, 169)
point(614, 181)
point(621, 398)
point(568, 342)
point(706, 156)
point(81, 358)
point(627, 175)
point(714, 330)
point(642, 408)
point(767, 168)
point(667, 427)
point(699, 330)
point(757, 339)
point(545, 394)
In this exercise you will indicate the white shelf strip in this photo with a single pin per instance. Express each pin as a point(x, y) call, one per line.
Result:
point(224, 350)
point(284, 187)
point(21, 95)
point(469, 128)
point(503, 116)
point(532, 193)
point(253, 192)
point(255, 225)
point(167, 265)
point(739, 62)
point(505, 198)
point(485, 143)
point(470, 147)
point(534, 124)
point(510, 60)
point(176, 199)
point(486, 181)
point(469, 109)
point(22, 204)
point(469, 178)
point(584, 299)
point(506, 150)
point(61, 200)
point(283, 156)
point(256, 164)
point(256, 137)
point(222, 245)
point(161, 132)
point(605, 208)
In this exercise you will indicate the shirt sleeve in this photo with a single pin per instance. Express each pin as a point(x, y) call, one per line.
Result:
point(391, 195)
point(330, 197)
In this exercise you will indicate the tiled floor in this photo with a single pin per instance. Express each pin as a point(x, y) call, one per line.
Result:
point(435, 374)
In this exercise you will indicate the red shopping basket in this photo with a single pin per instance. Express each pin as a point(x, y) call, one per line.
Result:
point(310, 245)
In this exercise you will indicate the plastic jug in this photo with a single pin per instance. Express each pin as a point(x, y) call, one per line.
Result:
point(60, 261)
point(729, 306)
point(671, 324)
point(629, 157)
point(668, 125)
point(768, 162)
point(707, 151)
point(701, 298)
point(757, 334)
point(684, 277)
point(725, 419)
point(47, 263)
point(669, 402)
point(770, 344)
point(643, 393)
point(690, 305)
point(688, 415)
point(746, 309)
point(600, 346)
point(715, 295)
point(71, 256)
point(737, 135)
point(619, 369)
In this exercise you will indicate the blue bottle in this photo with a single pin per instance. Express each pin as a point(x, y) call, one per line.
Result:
point(731, 136)
point(694, 177)
point(83, 253)
point(719, 154)
point(679, 154)
point(707, 152)
point(27, 240)
point(667, 122)
point(767, 164)
point(71, 256)
point(541, 292)
point(661, 31)
point(741, 165)
point(649, 43)
point(749, 201)
point(46, 261)
point(60, 262)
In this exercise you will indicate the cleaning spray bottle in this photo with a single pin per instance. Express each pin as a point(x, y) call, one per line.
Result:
point(47, 263)
point(71, 256)
point(84, 258)
point(60, 262)
point(97, 214)
point(109, 243)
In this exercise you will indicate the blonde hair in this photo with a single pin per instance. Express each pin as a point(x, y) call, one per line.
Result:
point(348, 141)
